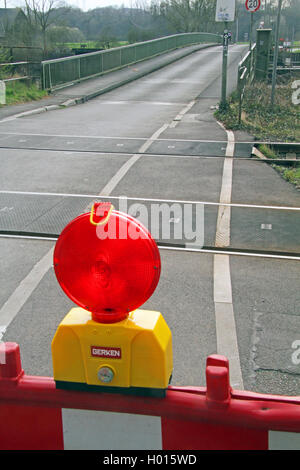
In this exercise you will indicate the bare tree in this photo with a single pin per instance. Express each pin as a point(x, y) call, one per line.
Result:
point(41, 15)
point(188, 15)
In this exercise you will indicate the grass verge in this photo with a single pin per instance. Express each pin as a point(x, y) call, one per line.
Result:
point(282, 123)
point(290, 174)
point(18, 92)
point(267, 151)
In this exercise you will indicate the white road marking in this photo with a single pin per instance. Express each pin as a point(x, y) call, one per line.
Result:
point(155, 103)
point(120, 153)
point(6, 134)
point(225, 322)
point(227, 343)
point(223, 222)
point(21, 294)
point(110, 186)
point(176, 248)
point(222, 284)
point(180, 115)
point(179, 201)
point(17, 299)
point(224, 213)
point(114, 154)
point(230, 253)
point(168, 81)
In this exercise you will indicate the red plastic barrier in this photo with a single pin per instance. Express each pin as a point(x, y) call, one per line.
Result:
point(35, 415)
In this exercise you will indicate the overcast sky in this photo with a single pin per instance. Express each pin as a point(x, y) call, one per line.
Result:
point(83, 4)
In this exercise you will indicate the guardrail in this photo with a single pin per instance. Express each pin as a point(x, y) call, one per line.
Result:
point(12, 72)
point(288, 153)
point(59, 72)
point(287, 62)
point(246, 70)
point(24, 70)
point(35, 415)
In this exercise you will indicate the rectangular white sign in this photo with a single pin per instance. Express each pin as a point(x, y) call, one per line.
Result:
point(225, 10)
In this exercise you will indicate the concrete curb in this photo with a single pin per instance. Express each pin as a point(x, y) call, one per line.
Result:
point(106, 89)
point(258, 153)
point(31, 112)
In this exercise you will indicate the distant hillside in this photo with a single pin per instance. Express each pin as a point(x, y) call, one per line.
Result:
point(117, 23)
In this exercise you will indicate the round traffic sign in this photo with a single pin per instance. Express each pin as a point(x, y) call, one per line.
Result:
point(252, 5)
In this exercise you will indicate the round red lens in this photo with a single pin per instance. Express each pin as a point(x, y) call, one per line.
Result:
point(108, 269)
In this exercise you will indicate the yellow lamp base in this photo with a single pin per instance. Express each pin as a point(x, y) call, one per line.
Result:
point(132, 356)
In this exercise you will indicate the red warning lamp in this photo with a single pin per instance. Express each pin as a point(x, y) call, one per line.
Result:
point(107, 263)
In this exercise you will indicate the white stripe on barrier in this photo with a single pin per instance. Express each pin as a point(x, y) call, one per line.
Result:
point(125, 431)
point(102, 430)
point(280, 440)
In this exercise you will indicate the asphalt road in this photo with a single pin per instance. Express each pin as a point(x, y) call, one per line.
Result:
point(156, 138)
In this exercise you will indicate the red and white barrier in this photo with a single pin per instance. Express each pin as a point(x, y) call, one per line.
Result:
point(35, 415)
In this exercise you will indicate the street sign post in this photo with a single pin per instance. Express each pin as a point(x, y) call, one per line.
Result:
point(225, 11)
point(275, 59)
point(252, 6)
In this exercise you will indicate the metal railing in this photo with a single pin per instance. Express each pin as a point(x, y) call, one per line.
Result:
point(246, 70)
point(15, 71)
point(59, 72)
point(8, 70)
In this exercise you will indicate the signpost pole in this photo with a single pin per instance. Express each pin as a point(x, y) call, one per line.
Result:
point(275, 59)
point(251, 27)
point(224, 67)
point(225, 12)
point(252, 6)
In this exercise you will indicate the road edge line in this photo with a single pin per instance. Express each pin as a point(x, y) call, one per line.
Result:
point(227, 343)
